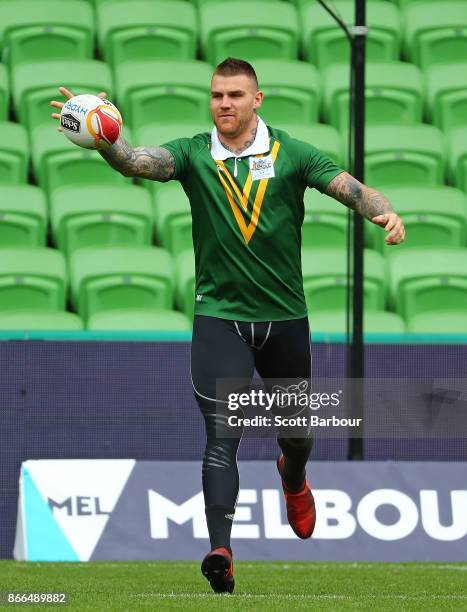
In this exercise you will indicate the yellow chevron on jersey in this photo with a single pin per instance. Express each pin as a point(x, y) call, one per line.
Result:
point(243, 197)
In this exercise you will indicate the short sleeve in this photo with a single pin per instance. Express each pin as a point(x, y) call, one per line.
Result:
point(317, 169)
point(180, 149)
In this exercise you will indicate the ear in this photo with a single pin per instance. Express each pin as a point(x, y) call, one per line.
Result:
point(259, 96)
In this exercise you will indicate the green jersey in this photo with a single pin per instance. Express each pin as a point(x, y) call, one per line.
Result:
point(247, 215)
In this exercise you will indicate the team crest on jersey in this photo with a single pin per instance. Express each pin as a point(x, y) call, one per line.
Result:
point(261, 167)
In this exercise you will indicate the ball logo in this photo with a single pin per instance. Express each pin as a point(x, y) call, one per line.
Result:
point(69, 122)
point(104, 123)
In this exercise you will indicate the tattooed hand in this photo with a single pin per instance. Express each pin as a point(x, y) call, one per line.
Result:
point(368, 203)
point(155, 163)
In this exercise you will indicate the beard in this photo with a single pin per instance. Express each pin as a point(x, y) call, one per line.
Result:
point(232, 128)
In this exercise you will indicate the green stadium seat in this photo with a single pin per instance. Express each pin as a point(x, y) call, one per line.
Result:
point(324, 279)
point(324, 137)
point(140, 319)
point(199, 3)
point(248, 28)
point(324, 43)
point(23, 216)
point(423, 279)
point(376, 322)
point(33, 31)
point(32, 278)
point(140, 29)
point(433, 216)
point(156, 134)
point(404, 3)
point(14, 153)
point(291, 91)
point(185, 282)
point(35, 84)
point(383, 322)
point(154, 91)
point(325, 222)
point(30, 320)
point(172, 218)
point(435, 32)
point(300, 3)
point(100, 215)
point(439, 322)
point(457, 158)
point(57, 162)
point(393, 94)
point(411, 154)
point(4, 93)
point(446, 94)
point(105, 278)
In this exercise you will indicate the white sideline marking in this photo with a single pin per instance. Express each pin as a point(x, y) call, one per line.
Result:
point(273, 565)
point(237, 596)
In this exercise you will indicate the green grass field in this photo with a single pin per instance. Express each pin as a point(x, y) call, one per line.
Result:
point(284, 586)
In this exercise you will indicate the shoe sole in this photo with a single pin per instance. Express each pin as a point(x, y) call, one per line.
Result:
point(215, 568)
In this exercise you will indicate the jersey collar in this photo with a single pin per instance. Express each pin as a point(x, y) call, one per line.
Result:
point(260, 144)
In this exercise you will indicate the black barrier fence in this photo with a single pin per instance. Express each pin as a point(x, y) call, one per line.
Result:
point(121, 399)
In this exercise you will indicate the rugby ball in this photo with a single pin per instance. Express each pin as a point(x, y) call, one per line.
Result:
point(90, 121)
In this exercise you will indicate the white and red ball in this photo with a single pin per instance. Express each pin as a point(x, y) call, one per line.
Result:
point(90, 121)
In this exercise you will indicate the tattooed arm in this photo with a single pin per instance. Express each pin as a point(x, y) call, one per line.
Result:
point(369, 203)
point(155, 163)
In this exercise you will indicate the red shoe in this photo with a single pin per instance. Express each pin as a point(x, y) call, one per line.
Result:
point(301, 511)
point(217, 567)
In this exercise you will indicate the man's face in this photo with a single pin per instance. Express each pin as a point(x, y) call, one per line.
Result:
point(233, 102)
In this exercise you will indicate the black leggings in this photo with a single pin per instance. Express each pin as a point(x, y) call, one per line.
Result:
point(223, 349)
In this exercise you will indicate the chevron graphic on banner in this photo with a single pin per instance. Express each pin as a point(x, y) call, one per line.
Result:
point(66, 505)
point(44, 537)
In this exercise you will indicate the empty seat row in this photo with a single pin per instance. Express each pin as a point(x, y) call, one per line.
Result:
point(159, 91)
point(452, 322)
point(420, 280)
point(99, 279)
point(432, 32)
point(96, 215)
point(333, 322)
point(298, 3)
point(398, 93)
point(104, 278)
point(108, 320)
point(330, 323)
point(417, 154)
point(135, 29)
point(433, 216)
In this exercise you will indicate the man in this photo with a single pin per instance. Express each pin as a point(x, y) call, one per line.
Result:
point(245, 182)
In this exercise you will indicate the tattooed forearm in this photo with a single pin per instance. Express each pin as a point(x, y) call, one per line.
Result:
point(155, 163)
point(239, 150)
point(365, 200)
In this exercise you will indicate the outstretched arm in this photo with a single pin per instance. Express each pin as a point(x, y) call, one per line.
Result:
point(369, 203)
point(155, 163)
